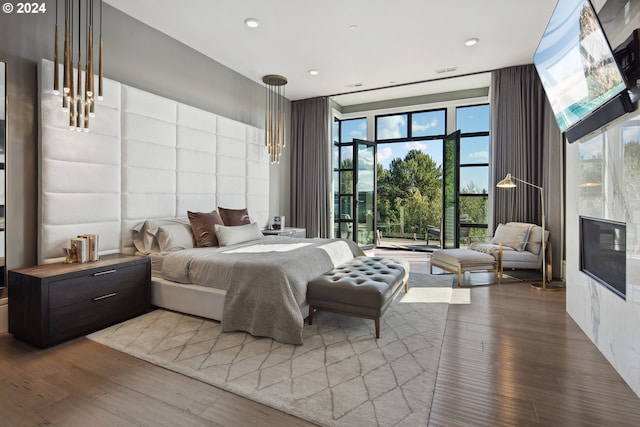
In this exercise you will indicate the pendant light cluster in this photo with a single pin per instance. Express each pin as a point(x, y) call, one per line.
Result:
point(274, 115)
point(78, 96)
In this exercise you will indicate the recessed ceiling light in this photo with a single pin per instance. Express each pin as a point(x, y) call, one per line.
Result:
point(353, 27)
point(314, 72)
point(471, 42)
point(252, 22)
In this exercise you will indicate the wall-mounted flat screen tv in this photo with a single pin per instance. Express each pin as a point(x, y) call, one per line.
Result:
point(578, 71)
point(603, 252)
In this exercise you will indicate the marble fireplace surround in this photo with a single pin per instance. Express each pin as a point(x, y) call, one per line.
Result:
point(603, 181)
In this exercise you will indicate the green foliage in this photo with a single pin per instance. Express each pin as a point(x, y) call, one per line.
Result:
point(410, 197)
point(409, 194)
point(473, 209)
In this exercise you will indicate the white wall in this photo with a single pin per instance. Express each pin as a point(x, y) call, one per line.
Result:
point(2, 158)
point(2, 91)
point(612, 323)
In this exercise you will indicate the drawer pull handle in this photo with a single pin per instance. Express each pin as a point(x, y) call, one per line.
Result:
point(112, 294)
point(102, 273)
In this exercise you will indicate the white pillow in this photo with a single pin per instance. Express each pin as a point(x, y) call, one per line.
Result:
point(230, 235)
point(512, 235)
point(173, 237)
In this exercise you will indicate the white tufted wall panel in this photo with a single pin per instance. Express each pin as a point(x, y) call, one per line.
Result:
point(145, 157)
point(148, 158)
point(231, 164)
point(257, 176)
point(196, 169)
point(79, 173)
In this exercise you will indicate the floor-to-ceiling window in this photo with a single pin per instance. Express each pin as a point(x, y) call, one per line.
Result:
point(409, 159)
point(345, 202)
point(473, 123)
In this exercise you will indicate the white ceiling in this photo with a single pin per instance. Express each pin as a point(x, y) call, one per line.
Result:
point(395, 42)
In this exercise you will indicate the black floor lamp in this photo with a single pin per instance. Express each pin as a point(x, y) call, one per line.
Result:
point(507, 182)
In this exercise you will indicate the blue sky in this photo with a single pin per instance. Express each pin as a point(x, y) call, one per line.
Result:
point(390, 151)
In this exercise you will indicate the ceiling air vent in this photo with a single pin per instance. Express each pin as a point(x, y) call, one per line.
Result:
point(446, 70)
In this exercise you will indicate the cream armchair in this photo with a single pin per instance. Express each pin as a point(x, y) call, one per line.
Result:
point(521, 246)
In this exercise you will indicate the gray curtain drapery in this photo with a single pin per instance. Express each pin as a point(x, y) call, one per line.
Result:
point(526, 142)
point(310, 166)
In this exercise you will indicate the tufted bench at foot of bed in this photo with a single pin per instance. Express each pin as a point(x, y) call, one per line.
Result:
point(363, 287)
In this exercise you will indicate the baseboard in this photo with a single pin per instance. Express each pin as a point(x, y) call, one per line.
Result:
point(4, 315)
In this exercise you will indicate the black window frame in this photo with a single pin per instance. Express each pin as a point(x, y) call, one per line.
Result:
point(470, 165)
point(338, 219)
point(410, 136)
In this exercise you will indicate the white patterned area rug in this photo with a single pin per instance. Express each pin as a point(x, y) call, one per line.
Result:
point(340, 376)
point(437, 288)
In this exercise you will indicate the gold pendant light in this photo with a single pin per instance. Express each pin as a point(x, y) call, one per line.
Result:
point(78, 99)
point(274, 115)
point(56, 77)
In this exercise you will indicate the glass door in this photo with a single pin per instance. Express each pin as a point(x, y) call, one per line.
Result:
point(450, 231)
point(343, 192)
point(365, 190)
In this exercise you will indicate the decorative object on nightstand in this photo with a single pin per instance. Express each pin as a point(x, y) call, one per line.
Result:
point(92, 242)
point(287, 232)
point(51, 303)
point(80, 247)
point(278, 223)
point(507, 182)
point(83, 248)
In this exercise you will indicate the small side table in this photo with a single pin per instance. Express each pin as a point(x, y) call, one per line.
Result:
point(287, 232)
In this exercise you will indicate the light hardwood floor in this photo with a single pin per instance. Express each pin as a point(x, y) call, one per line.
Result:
point(511, 358)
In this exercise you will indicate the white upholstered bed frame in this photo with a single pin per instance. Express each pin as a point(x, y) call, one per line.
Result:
point(145, 157)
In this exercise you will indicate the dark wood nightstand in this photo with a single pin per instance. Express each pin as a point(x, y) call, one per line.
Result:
point(54, 302)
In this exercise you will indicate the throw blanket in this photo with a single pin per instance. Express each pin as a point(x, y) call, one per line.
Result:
point(266, 280)
point(487, 248)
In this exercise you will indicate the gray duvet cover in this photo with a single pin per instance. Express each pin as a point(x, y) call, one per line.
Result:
point(266, 279)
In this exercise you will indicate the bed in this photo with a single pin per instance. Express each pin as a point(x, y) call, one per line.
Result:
point(247, 281)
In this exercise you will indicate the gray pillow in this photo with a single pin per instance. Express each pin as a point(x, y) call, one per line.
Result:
point(137, 236)
point(535, 237)
point(512, 235)
point(173, 237)
point(146, 242)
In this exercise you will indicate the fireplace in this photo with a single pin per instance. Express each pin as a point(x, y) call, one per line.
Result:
point(603, 253)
